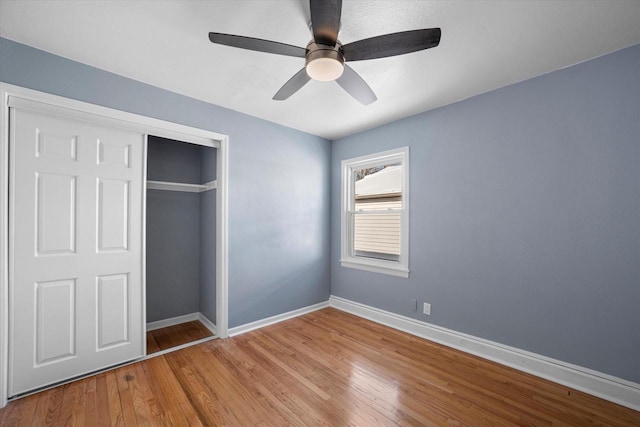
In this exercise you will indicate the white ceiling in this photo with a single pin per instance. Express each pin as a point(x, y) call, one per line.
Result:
point(485, 45)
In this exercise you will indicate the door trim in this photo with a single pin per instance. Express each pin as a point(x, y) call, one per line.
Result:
point(28, 98)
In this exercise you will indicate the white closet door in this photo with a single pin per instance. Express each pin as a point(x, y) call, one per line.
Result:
point(76, 292)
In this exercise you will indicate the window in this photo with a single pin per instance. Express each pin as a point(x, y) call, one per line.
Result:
point(375, 214)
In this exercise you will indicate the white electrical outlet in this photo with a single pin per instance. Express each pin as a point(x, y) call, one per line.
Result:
point(426, 309)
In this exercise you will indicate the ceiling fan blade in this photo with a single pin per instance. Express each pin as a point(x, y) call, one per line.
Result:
point(355, 86)
point(325, 20)
point(392, 44)
point(294, 84)
point(260, 45)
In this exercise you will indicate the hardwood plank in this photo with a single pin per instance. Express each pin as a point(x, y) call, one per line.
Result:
point(152, 344)
point(90, 403)
point(116, 413)
point(123, 376)
point(100, 399)
point(324, 368)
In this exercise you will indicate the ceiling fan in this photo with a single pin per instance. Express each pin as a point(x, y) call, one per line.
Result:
point(325, 56)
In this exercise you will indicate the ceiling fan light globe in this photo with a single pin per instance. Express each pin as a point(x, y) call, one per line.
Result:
point(325, 69)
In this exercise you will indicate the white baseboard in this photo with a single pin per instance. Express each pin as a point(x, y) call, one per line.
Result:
point(275, 319)
point(172, 321)
point(617, 390)
point(208, 323)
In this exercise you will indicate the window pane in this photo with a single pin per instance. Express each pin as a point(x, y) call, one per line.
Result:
point(377, 235)
point(383, 181)
point(377, 204)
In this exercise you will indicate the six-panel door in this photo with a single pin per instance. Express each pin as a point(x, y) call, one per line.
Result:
point(76, 292)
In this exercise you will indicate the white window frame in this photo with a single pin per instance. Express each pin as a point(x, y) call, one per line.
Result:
point(347, 255)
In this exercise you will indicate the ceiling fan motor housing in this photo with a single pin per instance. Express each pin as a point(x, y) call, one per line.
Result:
point(324, 62)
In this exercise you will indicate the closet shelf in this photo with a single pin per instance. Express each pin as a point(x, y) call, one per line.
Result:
point(179, 186)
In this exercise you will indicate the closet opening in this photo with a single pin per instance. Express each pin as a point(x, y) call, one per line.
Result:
point(180, 244)
point(83, 185)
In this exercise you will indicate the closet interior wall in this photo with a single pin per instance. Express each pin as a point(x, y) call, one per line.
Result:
point(181, 232)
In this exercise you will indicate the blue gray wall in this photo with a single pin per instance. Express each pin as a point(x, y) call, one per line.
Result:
point(524, 215)
point(278, 181)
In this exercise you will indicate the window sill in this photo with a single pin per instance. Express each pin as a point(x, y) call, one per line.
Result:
point(391, 270)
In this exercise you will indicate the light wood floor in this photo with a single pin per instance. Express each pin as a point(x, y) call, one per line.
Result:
point(324, 368)
point(173, 336)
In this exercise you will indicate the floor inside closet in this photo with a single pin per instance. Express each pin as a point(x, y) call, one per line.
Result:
point(177, 335)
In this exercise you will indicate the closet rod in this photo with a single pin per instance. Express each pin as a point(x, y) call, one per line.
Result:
point(179, 186)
